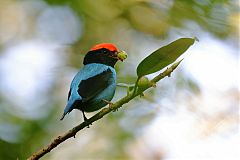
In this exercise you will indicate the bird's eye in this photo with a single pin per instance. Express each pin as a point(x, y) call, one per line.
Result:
point(104, 51)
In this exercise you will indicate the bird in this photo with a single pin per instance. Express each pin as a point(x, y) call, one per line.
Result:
point(93, 87)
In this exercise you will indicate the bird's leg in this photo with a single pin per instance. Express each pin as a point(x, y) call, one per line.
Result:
point(110, 104)
point(85, 118)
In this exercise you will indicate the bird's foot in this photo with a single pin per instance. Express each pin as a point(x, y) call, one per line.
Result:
point(115, 110)
point(109, 103)
point(86, 120)
point(141, 94)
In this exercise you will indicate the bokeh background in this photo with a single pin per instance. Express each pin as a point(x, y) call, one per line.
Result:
point(192, 115)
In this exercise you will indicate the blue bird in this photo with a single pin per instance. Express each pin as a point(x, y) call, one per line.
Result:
point(93, 87)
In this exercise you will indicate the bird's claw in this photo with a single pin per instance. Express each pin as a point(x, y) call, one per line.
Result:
point(115, 110)
point(86, 121)
point(88, 124)
point(110, 104)
point(142, 94)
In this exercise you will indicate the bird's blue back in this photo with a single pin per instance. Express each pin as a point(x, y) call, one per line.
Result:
point(84, 73)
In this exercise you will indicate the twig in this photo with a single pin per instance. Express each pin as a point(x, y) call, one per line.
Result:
point(100, 114)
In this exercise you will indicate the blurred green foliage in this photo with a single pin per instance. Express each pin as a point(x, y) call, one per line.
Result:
point(116, 21)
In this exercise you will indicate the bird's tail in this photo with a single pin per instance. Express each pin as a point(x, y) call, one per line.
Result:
point(63, 115)
point(69, 107)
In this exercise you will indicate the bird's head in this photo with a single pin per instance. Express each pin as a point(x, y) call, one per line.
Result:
point(104, 53)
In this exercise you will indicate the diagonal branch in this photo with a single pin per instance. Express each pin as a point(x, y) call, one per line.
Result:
point(100, 114)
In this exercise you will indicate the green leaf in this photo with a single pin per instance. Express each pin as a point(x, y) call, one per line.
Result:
point(164, 56)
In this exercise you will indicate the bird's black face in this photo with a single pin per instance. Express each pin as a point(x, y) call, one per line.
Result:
point(103, 56)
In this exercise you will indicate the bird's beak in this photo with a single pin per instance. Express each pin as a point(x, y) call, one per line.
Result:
point(121, 55)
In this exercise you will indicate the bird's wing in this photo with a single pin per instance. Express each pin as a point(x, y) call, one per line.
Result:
point(92, 86)
point(69, 93)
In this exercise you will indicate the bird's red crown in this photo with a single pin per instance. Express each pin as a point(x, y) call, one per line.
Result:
point(109, 46)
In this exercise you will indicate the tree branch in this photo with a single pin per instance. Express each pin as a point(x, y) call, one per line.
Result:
point(100, 114)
